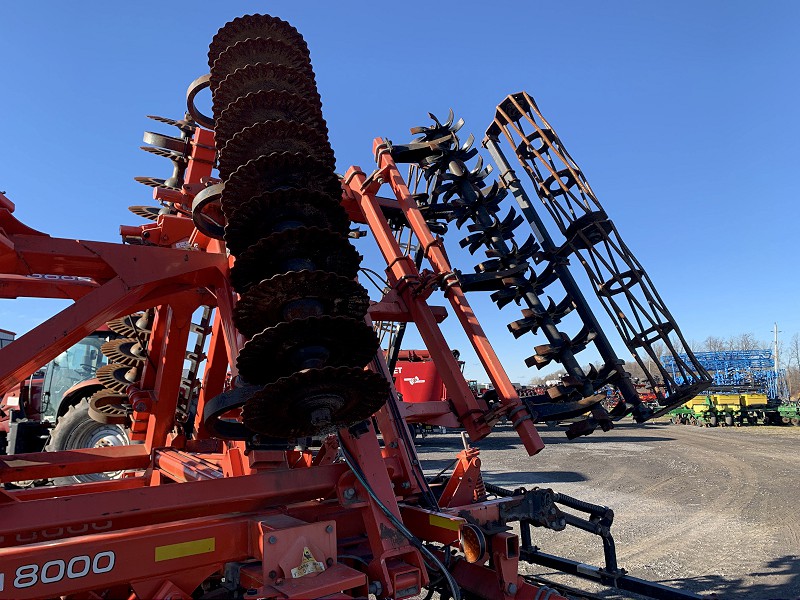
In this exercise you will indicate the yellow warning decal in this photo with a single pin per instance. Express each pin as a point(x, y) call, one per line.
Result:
point(437, 521)
point(309, 564)
point(185, 549)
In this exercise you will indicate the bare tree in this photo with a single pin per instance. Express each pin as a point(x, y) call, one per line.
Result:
point(676, 343)
point(794, 351)
point(746, 341)
point(793, 366)
point(715, 344)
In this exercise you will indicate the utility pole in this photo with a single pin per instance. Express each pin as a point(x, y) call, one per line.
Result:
point(777, 363)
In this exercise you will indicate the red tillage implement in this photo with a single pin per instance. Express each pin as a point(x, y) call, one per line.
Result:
point(283, 468)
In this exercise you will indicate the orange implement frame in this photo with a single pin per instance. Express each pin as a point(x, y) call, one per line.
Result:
point(413, 289)
point(191, 509)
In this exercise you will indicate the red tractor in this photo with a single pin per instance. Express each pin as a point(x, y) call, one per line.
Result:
point(50, 410)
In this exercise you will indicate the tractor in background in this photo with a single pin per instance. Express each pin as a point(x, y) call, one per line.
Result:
point(50, 410)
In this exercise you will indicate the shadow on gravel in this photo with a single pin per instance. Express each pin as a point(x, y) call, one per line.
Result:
point(527, 477)
point(787, 567)
point(449, 443)
point(648, 425)
point(605, 438)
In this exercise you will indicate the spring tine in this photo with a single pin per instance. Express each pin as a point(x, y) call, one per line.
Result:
point(563, 308)
point(489, 266)
point(530, 322)
point(582, 339)
point(468, 155)
point(490, 191)
point(527, 249)
point(511, 220)
point(504, 297)
point(546, 353)
point(473, 227)
point(450, 117)
point(485, 173)
point(592, 373)
point(545, 278)
point(472, 242)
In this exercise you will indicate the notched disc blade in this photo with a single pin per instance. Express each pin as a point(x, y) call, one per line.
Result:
point(116, 377)
point(315, 401)
point(164, 153)
point(270, 137)
point(131, 325)
point(181, 124)
point(147, 212)
point(281, 350)
point(263, 76)
point(277, 211)
point(281, 170)
point(125, 351)
point(299, 295)
point(301, 248)
point(259, 50)
point(267, 105)
point(109, 407)
point(154, 182)
point(255, 26)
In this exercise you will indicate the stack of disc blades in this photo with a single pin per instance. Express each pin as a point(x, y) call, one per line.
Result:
point(295, 269)
point(126, 357)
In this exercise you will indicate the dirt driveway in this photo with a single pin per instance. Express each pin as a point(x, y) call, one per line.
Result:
point(707, 510)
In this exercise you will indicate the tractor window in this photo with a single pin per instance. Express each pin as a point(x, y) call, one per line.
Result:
point(76, 364)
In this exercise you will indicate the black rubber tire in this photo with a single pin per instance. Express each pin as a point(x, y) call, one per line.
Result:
point(729, 420)
point(76, 430)
point(713, 421)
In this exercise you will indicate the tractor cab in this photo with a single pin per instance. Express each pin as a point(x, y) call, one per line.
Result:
point(74, 365)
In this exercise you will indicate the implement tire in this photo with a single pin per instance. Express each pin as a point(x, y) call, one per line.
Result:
point(76, 430)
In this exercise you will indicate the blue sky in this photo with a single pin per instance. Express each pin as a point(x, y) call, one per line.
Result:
point(682, 115)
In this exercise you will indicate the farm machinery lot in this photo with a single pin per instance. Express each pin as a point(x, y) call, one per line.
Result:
point(246, 432)
point(717, 500)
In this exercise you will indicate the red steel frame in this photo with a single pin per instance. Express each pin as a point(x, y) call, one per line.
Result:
point(189, 507)
point(414, 288)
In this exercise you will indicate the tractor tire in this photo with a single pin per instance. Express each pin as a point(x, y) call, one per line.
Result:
point(76, 430)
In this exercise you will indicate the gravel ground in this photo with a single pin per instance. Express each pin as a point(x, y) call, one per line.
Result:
point(709, 510)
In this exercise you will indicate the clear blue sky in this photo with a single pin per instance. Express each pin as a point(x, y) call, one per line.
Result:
point(683, 116)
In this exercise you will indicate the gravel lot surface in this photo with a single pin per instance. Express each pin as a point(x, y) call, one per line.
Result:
point(709, 510)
